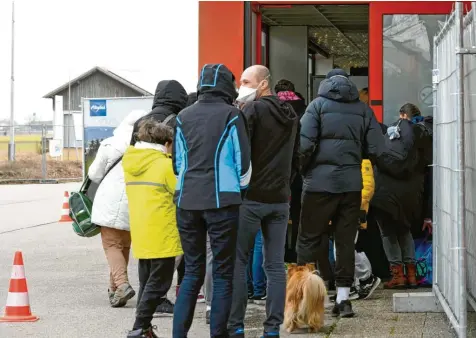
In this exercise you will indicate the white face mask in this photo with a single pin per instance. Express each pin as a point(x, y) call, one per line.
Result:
point(246, 94)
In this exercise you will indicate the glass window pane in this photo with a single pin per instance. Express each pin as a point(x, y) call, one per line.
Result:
point(408, 62)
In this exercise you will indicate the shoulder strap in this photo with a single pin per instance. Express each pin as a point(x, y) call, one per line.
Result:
point(111, 167)
point(168, 118)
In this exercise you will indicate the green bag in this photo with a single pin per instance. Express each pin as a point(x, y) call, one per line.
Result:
point(81, 206)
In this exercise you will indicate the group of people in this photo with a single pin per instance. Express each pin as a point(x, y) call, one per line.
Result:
point(206, 177)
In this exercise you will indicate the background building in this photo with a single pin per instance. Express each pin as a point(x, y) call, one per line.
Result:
point(98, 82)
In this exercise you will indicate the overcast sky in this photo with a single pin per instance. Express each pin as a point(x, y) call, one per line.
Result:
point(143, 40)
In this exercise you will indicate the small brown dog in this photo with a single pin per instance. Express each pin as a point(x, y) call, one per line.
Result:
point(305, 297)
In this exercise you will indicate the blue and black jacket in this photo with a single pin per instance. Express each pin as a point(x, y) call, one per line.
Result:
point(211, 153)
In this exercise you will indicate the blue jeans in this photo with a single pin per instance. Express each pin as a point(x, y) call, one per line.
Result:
point(256, 262)
point(221, 226)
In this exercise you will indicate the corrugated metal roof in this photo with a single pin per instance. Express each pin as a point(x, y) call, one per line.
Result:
point(104, 71)
point(340, 30)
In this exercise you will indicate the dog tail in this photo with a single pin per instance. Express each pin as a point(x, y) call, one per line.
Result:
point(314, 297)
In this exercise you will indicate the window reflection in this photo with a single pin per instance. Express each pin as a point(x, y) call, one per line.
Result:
point(408, 62)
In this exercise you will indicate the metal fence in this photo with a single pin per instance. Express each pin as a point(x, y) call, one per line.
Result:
point(34, 162)
point(454, 178)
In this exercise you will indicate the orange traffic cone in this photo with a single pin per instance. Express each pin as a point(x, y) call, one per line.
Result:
point(18, 302)
point(65, 209)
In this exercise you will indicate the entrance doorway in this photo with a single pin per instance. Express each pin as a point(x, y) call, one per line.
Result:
point(302, 43)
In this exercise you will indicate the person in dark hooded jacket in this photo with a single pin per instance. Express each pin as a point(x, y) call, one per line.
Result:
point(192, 98)
point(212, 161)
point(273, 125)
point(169, 99)
point(399, 199)
point(337, 129)
point(286, 91)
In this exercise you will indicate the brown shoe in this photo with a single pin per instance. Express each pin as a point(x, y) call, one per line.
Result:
point(411, 275)
point(398, 281)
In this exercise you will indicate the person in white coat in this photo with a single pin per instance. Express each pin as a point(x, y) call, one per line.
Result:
point(110, 208)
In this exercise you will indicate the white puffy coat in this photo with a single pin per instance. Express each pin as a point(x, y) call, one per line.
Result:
point(110, 207)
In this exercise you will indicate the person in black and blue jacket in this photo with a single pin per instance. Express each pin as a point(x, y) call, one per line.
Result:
point(212, 161)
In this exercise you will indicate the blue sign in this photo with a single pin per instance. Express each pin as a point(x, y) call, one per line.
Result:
point(97, 108)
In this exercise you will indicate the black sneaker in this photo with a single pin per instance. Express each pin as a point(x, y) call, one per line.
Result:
point(343, 309)
point(368, 286)
point(353, 295)
point(165, 309)
point(270, 334)
point(141, 333)
point(239, 333)
point(207, 316)
point(260, 300)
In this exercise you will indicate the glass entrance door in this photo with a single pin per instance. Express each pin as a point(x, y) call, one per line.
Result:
point(401, 55)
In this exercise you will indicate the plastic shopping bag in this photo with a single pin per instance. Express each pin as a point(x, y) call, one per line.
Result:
point(424, 261)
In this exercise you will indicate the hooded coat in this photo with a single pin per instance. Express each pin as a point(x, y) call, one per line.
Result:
point(211, 152)
point(150, 185)
point(402, 196)
point(170, 98)
point(273, 126)
point(110, 207)
point(337, 132)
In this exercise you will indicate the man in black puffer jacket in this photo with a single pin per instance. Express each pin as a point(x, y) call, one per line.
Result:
point(169, 99)
point(336, 131)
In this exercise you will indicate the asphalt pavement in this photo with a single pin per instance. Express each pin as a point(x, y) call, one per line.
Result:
point(67, 278)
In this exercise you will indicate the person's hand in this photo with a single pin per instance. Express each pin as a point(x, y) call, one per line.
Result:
point(427, 225)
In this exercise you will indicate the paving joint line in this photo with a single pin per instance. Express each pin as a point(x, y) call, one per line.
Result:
point(28, 227)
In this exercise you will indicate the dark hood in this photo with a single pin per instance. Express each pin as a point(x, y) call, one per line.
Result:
point(192, 98)
point(337, 87)
point(171, 94)
point(282, 111)
point(216, 80)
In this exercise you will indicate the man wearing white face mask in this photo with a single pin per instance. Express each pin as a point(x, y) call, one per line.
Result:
point(273, 127)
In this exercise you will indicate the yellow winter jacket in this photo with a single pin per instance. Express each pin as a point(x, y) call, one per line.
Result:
point(150, 186)
point(369, 187)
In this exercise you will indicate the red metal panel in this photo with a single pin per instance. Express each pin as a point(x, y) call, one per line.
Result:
point(376, 12)
point(221, 34)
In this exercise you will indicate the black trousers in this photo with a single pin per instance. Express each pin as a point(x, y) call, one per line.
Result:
point(155, 279)
point(294, 213)
point(317, 210)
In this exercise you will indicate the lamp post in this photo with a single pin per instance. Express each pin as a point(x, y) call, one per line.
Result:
point(11, 145)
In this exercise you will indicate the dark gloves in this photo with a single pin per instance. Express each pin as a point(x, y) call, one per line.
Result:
point(363, 216)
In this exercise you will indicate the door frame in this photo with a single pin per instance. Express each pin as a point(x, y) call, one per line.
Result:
point(376, 12)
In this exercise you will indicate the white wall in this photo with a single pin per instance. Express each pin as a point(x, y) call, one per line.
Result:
point(323, 65)
point(288, 56)
point(360, 81)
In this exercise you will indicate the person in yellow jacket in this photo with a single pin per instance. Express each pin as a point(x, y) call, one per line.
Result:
point(365, 282)
point(150, 186)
